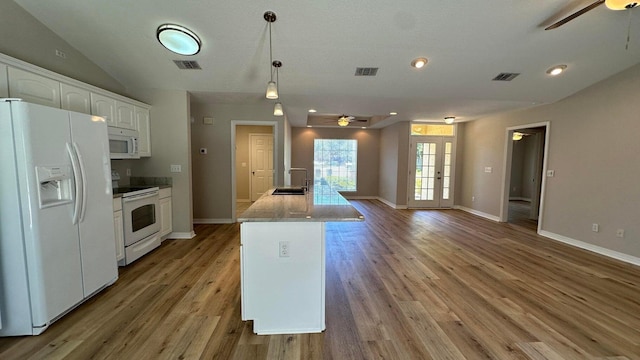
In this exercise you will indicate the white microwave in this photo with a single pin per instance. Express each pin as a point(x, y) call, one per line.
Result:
point(123, 143)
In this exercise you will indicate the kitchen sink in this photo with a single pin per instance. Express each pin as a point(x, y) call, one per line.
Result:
point(289, 191)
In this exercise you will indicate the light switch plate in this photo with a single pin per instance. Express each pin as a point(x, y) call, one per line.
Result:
point(550, 173)
point(176, 168)
point(488, 169)
point(207, 120)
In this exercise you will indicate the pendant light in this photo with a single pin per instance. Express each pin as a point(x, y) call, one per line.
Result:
point(277, 109)
point(272, 89)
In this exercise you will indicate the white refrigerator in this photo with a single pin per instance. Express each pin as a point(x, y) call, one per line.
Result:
point(57, 245)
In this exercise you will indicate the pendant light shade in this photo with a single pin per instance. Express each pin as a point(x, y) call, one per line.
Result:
point(620, 4)
point(178, 39)
point(272, 90)
point(277, 109)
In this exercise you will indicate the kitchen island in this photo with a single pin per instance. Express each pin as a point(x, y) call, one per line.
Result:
point(282, 259)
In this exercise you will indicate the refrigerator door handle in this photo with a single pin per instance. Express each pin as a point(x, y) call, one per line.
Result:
point(84, 181)
point(77, 183)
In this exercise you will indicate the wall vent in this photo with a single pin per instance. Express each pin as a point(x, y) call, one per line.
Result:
point(366, 71)
point(187, 64)
point(505, 76)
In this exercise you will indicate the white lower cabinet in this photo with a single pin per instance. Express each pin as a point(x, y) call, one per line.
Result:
point(166, 218)
point(119, 229)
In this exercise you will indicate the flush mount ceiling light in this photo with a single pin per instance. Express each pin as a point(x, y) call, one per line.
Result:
point(449, 119)
point(178, 39)
point(343, 120)
point(313, 110)
point(272, 90)
point(419, 62)
point(517, 136)
point(620, 4)
point(393, 113)
point(557, 70)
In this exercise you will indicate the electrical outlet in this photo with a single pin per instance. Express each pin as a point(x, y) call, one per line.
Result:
point(284, 249)
point(176, 168)
point(620, 233)
point(595, 227)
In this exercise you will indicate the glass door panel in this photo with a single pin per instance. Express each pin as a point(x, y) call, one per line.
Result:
point(431, 172)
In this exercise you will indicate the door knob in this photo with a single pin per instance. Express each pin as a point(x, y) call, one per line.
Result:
point(253, 173)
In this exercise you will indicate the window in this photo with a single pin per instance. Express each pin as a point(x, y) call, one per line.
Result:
point(432, 129)
point(335, 165)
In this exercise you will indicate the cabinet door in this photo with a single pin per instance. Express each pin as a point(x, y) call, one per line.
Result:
point(144, 131)
point(119, 228)
point(124, 115)
point(165, 216)
point(33, 88)
point(4, 82)
point(105, 107)
point(75, 99)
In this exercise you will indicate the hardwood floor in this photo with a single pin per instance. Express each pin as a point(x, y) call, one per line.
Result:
point(519, 212)
point(405, 284)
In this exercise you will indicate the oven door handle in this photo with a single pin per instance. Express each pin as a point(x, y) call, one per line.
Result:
point(139, 197)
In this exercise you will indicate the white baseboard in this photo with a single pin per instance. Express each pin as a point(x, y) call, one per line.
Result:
point(478, 213)
point(213, 221)
point(354, 197)
point(390, 204)
point(593, 248)
point(243, 200)
point(181, 235)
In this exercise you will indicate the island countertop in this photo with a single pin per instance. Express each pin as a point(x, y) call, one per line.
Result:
point(321, 206)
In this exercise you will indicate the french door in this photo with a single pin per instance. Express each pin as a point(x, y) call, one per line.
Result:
point(431, 171)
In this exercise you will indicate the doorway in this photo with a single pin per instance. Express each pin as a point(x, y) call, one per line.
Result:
point(246, 161)
point(431, 171)
point(525, 164)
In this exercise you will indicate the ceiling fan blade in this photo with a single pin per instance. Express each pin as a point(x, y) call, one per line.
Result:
point(575, 15)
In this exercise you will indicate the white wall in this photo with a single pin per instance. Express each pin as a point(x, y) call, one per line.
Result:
point(394, 162)
point(593, 149)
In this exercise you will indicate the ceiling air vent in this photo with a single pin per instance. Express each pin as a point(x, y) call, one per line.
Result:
point(187, 64)
point(505, 76)
point(366, 71)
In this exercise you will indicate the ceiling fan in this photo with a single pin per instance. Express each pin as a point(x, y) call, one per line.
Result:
point(611, 4)
point(342, 120)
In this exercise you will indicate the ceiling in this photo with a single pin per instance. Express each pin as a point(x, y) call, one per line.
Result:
point(320, 43)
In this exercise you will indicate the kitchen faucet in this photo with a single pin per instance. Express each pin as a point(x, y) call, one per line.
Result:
point(305, 185)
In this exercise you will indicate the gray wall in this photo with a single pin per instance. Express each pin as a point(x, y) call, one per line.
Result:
point(593, 149)
point(170, 145)
point(27, 39)
point(394, 162)
point(212, 172)
point(368, 154)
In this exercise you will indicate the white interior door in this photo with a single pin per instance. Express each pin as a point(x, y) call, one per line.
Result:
point(261, 164)
point(431, 172)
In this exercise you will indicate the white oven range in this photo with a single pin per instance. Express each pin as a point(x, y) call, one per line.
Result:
point(140, 210)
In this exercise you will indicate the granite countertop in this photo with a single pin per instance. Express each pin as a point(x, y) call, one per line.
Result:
point(325, 206)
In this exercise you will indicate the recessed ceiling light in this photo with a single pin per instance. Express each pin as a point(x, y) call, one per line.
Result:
point(364, 127)
point(449, 119)
point(557, 70)
point(393, 113)
point(312, 110)
point(419, 62)
point(178, 39)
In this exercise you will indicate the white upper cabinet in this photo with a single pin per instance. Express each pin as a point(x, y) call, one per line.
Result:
point(144, 131)
point(33, 88)
point(105, 107)
point(124, 115)
point(75, 99)
point(4, 82)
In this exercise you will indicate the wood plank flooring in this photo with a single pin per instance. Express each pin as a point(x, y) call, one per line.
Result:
point(405, 284)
